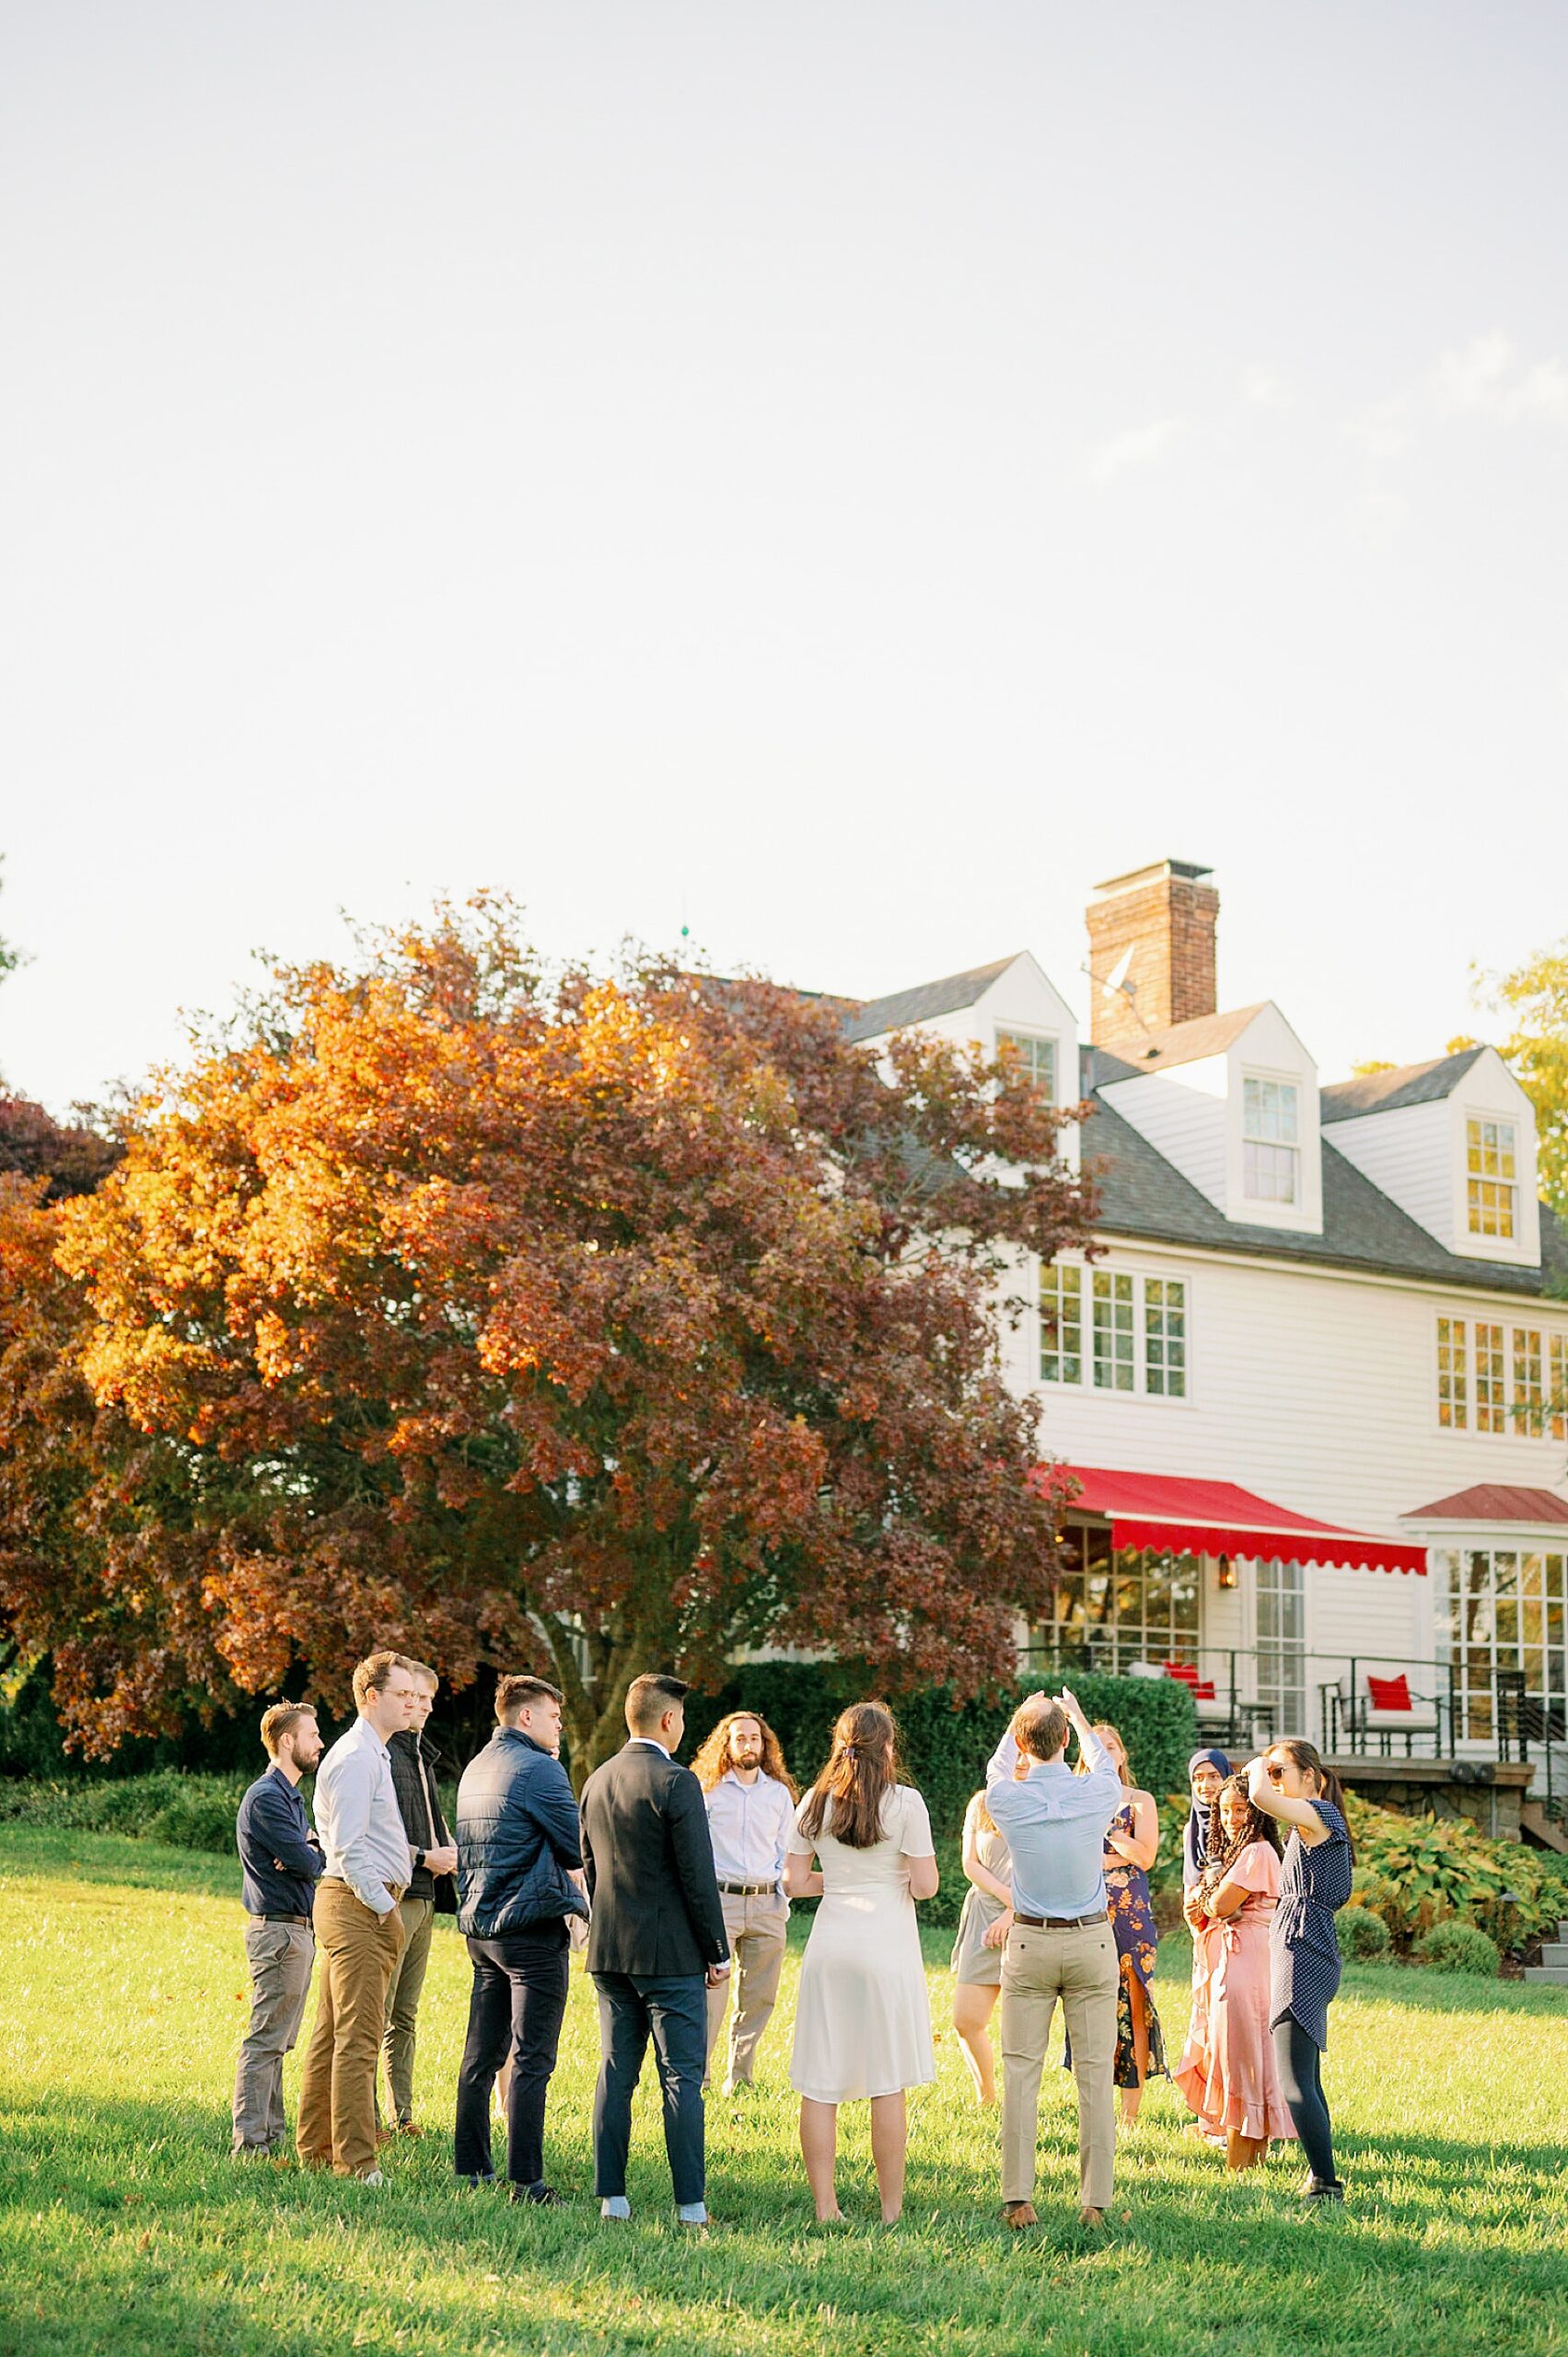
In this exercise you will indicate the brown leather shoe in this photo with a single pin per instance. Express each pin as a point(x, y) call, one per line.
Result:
point(1018, 2215)
point(409, 2128)
point(1093, 2219)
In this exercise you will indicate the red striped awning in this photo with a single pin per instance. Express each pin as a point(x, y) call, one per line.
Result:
point(1169, 1512)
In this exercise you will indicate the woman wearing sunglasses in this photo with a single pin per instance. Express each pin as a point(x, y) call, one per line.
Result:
point(1292, 1784)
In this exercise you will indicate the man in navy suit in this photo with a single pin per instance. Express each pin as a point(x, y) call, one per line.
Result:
point(281, 1859)
point(657, 1942)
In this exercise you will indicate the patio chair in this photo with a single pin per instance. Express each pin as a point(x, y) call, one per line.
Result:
point(1385, 1707)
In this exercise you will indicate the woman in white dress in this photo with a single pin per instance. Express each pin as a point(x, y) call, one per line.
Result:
point(862, 2019)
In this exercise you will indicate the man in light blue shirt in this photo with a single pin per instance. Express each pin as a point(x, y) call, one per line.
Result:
point(1059, 1943)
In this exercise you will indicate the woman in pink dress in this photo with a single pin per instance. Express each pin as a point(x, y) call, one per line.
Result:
point(1227, 2072)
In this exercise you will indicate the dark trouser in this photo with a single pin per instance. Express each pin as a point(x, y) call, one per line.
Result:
point(1298, 2061)
point(515, 2012)
point(674, 2012)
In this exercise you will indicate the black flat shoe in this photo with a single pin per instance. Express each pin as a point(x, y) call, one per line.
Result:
point(1323, 2190)
point(542, 2197)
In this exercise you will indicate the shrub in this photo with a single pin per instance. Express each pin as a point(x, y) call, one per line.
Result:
point(1362, 1934)
point(1458, 1947)
point(946, 1749)
point(1417, 1871)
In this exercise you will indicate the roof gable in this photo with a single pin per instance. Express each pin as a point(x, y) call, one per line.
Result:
point(926, 1001)
point(1391, 1092)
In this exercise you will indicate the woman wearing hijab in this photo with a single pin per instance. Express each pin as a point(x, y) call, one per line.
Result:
point(1206, 1771)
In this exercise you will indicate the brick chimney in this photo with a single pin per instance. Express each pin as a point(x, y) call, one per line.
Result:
point(1163, 915)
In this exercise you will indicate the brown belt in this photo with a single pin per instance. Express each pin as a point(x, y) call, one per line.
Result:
point(1062, 1922)
point(282, 1918)
point(750, 1889)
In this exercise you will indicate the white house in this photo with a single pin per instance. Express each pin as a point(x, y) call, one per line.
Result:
point(1314, 1383)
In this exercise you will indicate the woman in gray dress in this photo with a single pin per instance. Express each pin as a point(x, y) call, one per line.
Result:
point(983, 1935)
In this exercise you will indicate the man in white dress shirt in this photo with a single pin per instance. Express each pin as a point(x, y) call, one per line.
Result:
point(359, 1930)
point(751, 1800)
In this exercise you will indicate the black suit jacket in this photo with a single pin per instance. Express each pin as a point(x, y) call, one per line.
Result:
point(650, 1868)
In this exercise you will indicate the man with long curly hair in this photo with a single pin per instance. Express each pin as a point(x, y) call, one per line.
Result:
point(750, 1799)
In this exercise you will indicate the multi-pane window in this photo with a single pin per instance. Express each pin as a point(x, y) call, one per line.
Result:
point(1036, 1055)
point(1114, 1359)
point(1122, 1608)
point(1491, 1392)
point(1528, 1402)
point(1062, 1323)
point(1490, 1177)
point(1511, 1379)
point(1269, 1151)
point(1165, 1337)
point(1136, 1333)
point(1452, 1400)
point(1501, 1608)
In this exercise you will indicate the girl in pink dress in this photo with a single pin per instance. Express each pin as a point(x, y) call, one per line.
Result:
point(1227, 2072)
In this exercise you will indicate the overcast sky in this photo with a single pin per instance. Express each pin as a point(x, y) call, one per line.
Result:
point(843, 477)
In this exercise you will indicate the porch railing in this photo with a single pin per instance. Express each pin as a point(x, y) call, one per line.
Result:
point(1252, 1696)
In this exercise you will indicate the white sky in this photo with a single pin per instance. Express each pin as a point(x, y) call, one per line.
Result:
point(845, 477)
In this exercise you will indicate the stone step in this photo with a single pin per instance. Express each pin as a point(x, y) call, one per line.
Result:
point(1556, 1975)
point(1555, 1952)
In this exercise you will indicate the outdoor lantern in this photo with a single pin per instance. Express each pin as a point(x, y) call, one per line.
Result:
point(1225, 1575)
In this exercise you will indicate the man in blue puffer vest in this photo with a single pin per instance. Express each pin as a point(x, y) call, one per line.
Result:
point(519, 1877)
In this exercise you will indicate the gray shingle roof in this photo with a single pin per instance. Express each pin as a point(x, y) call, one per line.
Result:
point(924, 1002)
point(1143, 1196)
point(1391, 1092)
point(1188, 1043)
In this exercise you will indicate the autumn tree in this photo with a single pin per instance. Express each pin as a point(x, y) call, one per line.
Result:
point(1535, 997)
point(598, 1323)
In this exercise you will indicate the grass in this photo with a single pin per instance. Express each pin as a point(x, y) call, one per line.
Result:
point(124, 2227)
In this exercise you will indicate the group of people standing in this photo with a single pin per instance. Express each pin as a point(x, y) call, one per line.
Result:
point(678, 1881)
point(1265, 1956)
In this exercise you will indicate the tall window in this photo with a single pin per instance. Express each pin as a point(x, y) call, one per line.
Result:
point(1491, 1397)
point(1037, 1056)
point(1123, 1607)
point(1113, 1331)
point(1490, 1177)
point(1062, 1324)
point(1499, 1609)
point(1165, 1337)
point(1452, 1406)
point(1557, 1405)
point(1528, 1401)
point(1281, 1640)
point(1269, 1151)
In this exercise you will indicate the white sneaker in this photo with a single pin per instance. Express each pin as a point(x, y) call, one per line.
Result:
point(372, 2177)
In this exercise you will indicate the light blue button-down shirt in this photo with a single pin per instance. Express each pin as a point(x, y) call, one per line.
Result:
point(1055, 1825)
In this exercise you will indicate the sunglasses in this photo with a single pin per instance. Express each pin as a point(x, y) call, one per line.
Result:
point(1276, 1772)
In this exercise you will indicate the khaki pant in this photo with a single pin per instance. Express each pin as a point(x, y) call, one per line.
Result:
point(280, 1956)
point(337, 2094)
point(1078, 1965)
point(403, 1994)
point(757, 1929)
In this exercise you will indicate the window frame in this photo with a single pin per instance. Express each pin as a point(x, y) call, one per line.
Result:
point(1496, 1377)
point(1172, 1351)
point(1506, 1189)
point(1023, 1035)
point(1284, 1084)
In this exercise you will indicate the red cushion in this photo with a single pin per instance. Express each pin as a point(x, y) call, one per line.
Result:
point(1185, 1670)
point(1389, 1693)
point(1204, 1692)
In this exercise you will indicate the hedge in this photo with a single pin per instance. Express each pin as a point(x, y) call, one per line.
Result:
point(945, 1745)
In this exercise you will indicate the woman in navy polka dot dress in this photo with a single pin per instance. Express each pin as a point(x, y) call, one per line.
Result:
point(1292, 1784)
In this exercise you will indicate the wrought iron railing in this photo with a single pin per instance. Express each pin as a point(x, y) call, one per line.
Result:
point(1254, 1695)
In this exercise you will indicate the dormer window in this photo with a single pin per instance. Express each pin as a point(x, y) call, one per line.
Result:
point(1036, 1055)
point(1270, 1151)
point(1491, 1177)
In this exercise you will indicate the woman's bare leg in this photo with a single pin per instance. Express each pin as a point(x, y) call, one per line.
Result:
point(973, 2004)
point(1244, 2151)
point(1133, 2096)
point(819, 2149)
point(890, 2140)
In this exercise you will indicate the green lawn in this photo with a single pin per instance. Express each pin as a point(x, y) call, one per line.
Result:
point(123, 2226)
